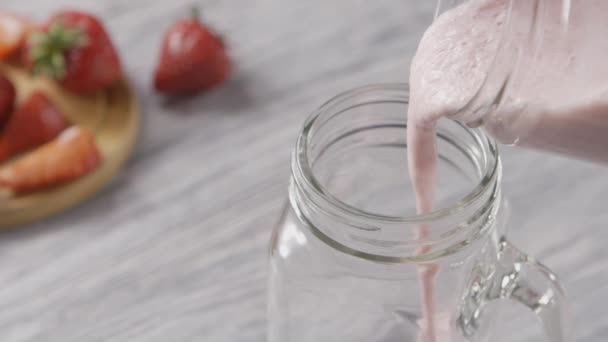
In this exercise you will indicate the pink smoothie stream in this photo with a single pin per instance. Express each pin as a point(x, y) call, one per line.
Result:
point(557, 100)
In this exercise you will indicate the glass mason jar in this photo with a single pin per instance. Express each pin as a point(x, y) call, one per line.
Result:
point(346, 262)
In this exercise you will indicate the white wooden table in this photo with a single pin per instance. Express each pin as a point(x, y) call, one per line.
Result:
point(174, 249)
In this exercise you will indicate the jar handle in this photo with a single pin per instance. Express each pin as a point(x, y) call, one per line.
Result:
point(523, 279)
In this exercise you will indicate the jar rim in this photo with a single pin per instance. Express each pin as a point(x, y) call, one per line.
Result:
point(308, 183)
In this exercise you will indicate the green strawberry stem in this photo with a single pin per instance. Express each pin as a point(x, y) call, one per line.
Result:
point(195, 13)
point(48, 49)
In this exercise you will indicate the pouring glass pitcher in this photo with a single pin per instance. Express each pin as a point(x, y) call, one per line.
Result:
point(345, 259)
point(542, 72)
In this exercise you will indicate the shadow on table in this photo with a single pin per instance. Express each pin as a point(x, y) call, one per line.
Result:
point(232, 97)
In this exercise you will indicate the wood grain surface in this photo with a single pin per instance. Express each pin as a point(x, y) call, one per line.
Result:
point(175, 248)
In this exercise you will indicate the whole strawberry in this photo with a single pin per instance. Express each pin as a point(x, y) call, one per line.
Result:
point(75, 49)
point(192, 59)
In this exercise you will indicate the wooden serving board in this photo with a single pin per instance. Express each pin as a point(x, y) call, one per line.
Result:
point(113, 116)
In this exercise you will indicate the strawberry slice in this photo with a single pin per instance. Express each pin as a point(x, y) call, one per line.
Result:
point(70, 156)
point(13, 30)
point(36, 122)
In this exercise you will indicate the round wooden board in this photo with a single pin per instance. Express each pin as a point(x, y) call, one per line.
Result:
point(113, 116)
